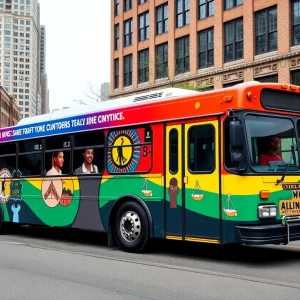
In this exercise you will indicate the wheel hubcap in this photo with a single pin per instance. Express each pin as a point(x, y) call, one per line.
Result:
point(130, 226)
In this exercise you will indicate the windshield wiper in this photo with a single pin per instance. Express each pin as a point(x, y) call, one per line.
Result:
point(287, 166)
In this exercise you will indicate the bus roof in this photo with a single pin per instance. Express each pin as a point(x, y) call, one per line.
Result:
point(167, 93)
point(157, 106)
point(89, 117)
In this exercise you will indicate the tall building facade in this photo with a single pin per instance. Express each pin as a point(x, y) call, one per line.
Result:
point(209, 44)
point(9, 110)
point(20, 43)
point(43, 76)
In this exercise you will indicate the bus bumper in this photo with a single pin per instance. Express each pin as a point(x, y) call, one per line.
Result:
point(283, 233)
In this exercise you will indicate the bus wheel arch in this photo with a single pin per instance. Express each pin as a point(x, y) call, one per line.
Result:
point(131, 224)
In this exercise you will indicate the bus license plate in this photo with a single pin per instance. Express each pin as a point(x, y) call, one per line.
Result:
point(289, 207)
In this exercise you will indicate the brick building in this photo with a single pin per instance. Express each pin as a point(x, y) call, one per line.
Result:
point(210, 43)
point(9, 111)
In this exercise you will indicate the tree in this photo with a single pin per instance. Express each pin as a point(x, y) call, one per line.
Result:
point(178, 80)
point(94, 93)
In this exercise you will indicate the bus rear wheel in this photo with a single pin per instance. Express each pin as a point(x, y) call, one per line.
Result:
point(131, 227)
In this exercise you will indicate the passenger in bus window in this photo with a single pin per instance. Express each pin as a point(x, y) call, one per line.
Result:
point(272, 143)
point(57, 163)
point(87, 166)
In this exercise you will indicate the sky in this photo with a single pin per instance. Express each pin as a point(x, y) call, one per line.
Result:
point(77, 48)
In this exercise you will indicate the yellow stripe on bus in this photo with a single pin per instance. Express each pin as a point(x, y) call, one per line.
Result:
point(199, 240)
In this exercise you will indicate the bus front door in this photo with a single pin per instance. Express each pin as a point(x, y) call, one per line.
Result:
point(192, 182)
point(201, 181)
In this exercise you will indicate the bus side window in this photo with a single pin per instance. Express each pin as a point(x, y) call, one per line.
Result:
point(201, 148)
point(30, 158)
point(57, 155)
point(88, 149)
point(173, 159)
point(8, 157)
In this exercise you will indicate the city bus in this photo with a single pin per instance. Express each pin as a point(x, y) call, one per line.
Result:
point(218, 167)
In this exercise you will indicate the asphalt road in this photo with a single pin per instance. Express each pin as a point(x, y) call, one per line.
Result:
point(46, 263)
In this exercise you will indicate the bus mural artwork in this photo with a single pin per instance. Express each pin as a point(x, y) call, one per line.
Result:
point(173, 192)
point(5, 185)
point(215, 167)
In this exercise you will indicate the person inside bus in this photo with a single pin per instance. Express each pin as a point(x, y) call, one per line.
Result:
point(272, 143)
point(57, 163)
point(87, 167)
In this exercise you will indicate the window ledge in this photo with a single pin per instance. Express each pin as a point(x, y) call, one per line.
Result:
point(205, 70)
point(205, 18)
point(233, 63)
point(182, 75)
point(143, 84)
point(126, 88)
point(295, 48)
point(265, 55)
point(162, 80)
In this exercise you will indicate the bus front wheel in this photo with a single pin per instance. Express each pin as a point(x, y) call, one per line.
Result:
point(131, 227)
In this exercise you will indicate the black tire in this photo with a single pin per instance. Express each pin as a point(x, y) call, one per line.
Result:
point(136, 237)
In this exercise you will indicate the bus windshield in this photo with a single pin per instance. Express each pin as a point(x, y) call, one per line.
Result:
point(273, 144)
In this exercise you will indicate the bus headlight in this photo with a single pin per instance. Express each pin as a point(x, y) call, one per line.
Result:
point(267, 211)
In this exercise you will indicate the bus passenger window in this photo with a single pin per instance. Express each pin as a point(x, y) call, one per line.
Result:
point(201, 156)
point(57, 155)
point(58, 142)
point(7, 157)
point(30, 158)
point(173, 159)
point(88, 154)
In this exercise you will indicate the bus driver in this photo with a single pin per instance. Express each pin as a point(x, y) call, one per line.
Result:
point(273, 143)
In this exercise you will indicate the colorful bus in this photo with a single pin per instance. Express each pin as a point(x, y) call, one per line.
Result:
point(215, 167)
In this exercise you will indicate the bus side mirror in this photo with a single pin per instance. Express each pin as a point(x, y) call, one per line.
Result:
point(237, 139)
point(236, 135)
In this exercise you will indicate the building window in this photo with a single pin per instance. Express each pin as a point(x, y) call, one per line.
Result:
point(266, 30)
point(127, 5)
point(128, 33)
point(144, 32)
point(142, 1)
point(206, 48)
point(162, 19)
point(117, 7)
point(271, 78)
point(128, 70)
point(182, 13)
point(233, 40)
point(205, 8)
point(161, 60)
point(296, 22)
point(232, 3)
point(295, 76)
point(144, 66)
point(116, 69)
point(117, 37)
point(182, 55)
point(230, 84)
